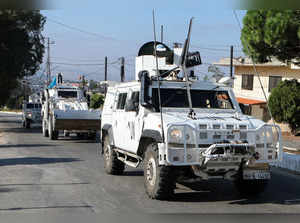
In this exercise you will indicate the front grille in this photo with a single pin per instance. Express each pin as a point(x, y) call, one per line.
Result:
point(216, 126)
point(201, 126)
point(229, 126)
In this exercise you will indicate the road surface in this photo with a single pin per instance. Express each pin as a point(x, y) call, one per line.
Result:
point(38, 175)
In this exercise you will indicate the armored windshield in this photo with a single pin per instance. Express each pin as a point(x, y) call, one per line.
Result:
point(67, 94)
point(177, 98)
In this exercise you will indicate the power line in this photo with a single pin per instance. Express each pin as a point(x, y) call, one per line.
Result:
point(81, 30)
point(78, 64)
point(83, 60)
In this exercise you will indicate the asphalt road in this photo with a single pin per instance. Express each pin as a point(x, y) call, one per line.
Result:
point(38, 175)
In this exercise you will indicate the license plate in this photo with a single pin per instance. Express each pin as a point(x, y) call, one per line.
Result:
point(256, 175)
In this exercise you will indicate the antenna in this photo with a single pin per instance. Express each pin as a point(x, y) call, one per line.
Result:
point(183, 66)
point(158, 78)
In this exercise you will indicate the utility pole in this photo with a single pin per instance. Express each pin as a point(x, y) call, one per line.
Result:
point(48, 61)
point(122, 69)
point(105, 75)
point(231, 61)
point(83, 81)
point(161, 33)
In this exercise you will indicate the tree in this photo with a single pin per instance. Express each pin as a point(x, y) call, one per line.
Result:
point(284, 103)
point(21, 47)
point(96, 100)
point(272, 33)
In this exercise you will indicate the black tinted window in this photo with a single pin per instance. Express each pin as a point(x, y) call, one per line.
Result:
point(200, 99)
point(30, 105)
point(67, 94)
point(121, 100)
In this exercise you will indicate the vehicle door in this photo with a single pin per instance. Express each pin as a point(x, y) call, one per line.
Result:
point(134, 121)
point(118, 120)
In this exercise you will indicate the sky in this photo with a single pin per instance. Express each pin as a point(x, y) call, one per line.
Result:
point(84, 32)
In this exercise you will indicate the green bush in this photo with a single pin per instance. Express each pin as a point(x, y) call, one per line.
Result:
point(284, 103)
point(96, 100)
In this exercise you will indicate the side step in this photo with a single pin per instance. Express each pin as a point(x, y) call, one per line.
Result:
point(129, 159)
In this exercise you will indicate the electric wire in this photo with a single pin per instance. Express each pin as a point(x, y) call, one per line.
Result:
point(81, 30)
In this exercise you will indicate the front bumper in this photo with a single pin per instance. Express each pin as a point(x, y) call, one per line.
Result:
point(226, 156)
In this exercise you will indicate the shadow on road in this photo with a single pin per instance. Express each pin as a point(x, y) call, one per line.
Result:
point(35, 161)
point(45, 207)
point(133, 173)
point(44, 184)
point(278, 192)
point(6, 190)
point(22, 130)
point(26, 145)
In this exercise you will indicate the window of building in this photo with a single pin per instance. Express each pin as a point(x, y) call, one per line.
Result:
point(274, 81)
point(121, 100)
point(247, 81)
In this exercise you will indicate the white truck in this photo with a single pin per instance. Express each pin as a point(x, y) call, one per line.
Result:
point(65, 108)
point(150, 121)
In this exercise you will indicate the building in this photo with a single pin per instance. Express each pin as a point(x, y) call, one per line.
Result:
point(247, 87)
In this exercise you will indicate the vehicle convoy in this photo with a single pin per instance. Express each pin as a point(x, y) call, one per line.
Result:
point(183, 129)
point(31, 113)
point(65, 108)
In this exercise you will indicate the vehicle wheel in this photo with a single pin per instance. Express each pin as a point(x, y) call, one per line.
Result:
point(250, 187)
point(111, 163)
point(23, 124)
point(66, 134)
point(44, 129)
point(159, 181)
point(27, 124)
point(53, 134)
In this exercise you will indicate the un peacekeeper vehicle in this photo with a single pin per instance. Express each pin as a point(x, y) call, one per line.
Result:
point(65, 108)
point(183, 129)
point(31, 113)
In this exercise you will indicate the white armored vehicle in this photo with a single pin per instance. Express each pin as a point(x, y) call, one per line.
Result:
point(183, 129)
point(65, 108)
point(31, 113)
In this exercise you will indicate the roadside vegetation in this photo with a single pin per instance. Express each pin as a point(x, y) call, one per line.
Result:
point(97, 101)
point(21, 48)
point(272, 33)
point(284, 103)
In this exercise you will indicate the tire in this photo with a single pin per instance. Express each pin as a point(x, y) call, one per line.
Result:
point(23, 124)
point(66, 134)
point(112, 165)
point(250, 187)
point(27, 124)
point(44, 129)
point(159, 181)
point(53, 134)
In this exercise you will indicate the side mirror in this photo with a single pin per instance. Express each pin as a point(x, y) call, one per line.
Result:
point(193, 59)
point(145, 98)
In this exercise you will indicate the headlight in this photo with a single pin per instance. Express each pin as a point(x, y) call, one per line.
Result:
point(178, 134)
point(29, 114)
